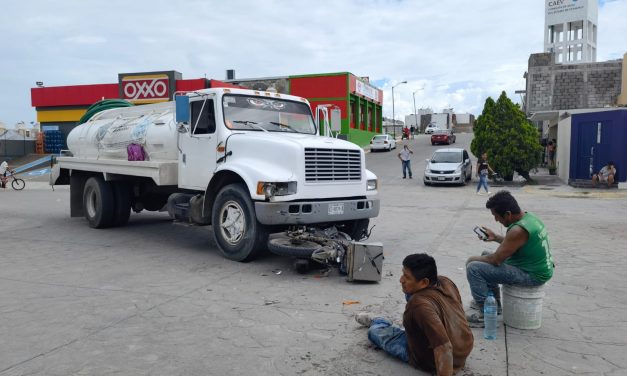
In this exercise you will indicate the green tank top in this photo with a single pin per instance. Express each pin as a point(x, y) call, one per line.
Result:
point(535, 256)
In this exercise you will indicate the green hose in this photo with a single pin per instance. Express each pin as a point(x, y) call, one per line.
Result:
point(105, 104)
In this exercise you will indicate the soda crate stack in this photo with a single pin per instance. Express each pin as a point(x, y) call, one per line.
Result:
point(53, 142)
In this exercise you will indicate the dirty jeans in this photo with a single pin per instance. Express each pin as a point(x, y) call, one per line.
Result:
point(483, 277)
point(390, 338)
point(406, 167)
point(483, 181)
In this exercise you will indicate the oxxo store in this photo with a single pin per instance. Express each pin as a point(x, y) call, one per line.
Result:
point(360, 104)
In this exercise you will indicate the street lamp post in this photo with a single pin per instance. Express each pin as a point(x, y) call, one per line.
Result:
point(415, 115)
point(393, 118)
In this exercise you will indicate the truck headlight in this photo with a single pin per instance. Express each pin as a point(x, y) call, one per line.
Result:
point(270, 189)
point(372, 185)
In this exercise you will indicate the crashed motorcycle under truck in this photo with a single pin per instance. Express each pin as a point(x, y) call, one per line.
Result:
point(251, 164)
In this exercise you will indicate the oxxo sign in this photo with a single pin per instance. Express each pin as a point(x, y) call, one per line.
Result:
point(146, 89)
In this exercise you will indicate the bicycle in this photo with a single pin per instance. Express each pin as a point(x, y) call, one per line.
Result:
point(17, 183)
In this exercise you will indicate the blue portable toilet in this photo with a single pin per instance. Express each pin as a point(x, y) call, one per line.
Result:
point(597, 138)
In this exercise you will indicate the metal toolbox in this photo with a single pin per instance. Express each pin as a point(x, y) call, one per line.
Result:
point(364, 261)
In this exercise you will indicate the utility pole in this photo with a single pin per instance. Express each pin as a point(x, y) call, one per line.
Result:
point(393, 117)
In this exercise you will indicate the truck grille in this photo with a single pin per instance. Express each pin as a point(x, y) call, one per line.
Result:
point(324, 165)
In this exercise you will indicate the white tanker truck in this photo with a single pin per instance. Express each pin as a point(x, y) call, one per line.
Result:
point(248, 163)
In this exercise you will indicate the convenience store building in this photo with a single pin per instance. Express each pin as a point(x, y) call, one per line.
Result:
point(360, 103)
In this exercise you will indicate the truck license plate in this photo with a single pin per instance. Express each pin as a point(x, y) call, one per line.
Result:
point(336, 209)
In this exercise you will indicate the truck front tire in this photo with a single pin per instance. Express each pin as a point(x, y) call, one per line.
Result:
point(238, 234)
point(98, 202)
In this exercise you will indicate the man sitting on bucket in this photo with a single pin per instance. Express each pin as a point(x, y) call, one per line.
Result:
point(436, 335)
point(523, 257)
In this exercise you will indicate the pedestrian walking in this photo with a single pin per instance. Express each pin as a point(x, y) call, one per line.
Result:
point(482, 172)
point(405, 157)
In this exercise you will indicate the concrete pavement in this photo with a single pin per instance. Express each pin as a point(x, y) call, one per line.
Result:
point(156, 298)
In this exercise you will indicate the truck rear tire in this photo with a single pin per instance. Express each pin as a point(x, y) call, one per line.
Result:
point(98, 202)
point(122, 206)
point(238, 234)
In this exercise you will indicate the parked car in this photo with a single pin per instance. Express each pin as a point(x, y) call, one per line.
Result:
point(448, 166)
point(382, 142)
point(431, 128)
point(443, 136)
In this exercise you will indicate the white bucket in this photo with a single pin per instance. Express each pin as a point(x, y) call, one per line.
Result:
point(522, 306)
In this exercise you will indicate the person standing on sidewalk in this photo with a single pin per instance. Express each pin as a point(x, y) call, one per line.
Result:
point(523, 257)
point(405, 157)
point(482, 172)
point(437, 337)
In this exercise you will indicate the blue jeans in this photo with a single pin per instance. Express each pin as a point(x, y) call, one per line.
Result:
point(388, 337)
point(483, 181)
point(406, 167)
point(483, 277)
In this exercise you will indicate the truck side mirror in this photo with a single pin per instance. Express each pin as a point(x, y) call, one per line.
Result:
point(336, 120)
point(182, 109)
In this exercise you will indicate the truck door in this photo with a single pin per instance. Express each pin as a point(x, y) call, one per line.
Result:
point(197, 148)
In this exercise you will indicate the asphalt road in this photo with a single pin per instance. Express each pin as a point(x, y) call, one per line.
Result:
point(156, 298)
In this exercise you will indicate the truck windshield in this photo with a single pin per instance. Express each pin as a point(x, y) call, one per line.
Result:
point(250, 113)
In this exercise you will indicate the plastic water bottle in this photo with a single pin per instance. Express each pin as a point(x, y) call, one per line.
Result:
point(489, 317)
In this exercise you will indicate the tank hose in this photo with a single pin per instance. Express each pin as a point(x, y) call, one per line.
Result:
point(105, 104)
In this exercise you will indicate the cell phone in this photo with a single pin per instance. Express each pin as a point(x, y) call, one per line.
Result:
point(480, 232)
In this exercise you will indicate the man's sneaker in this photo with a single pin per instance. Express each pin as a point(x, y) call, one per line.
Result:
point(365, 318)
point(479, 193)
point(488, 193)
point(475, 319)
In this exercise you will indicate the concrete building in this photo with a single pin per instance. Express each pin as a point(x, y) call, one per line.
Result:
point(463, 122)
point(442, 120)
point(552, 87)
point(570, 30)
point(580, 106)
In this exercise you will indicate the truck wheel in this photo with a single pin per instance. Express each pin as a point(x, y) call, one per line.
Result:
point(286, 246)
point(357, 229)
point(240, 237)
point(122, 206)
point(98, 202)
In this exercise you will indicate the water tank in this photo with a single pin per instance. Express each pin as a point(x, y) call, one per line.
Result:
point(107, 134)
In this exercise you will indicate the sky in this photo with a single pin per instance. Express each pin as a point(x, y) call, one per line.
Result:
point(452, 53)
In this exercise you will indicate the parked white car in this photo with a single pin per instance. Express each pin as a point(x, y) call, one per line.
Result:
point(382, 142)
point(431, 128)
point(448, 166)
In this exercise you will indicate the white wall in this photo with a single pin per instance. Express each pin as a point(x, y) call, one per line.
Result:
point(441, 120)
point(562, 157)
point(462, 118)
point(410, 120)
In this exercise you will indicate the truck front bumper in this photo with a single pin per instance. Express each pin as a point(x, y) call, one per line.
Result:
point(308, 212)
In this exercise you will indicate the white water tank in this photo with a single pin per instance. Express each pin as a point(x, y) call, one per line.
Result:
point(108, 133)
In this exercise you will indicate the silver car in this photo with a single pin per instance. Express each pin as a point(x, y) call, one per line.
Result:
point(448, 166)
point(382, 142)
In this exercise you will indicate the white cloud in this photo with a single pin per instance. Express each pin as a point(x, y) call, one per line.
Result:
point(460, 52)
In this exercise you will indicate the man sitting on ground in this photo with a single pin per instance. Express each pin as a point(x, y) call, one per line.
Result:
point(523, 257)
point(606, 175)
point(436, 336)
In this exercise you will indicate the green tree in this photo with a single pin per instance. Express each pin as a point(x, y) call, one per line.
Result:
point(511, 141)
